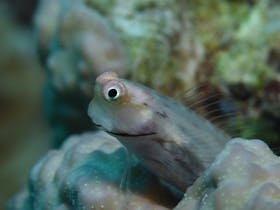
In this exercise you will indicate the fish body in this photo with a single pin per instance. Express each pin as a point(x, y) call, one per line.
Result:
point(170, 139)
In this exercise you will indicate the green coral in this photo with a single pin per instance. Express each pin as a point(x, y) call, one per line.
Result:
point(147, 28)
point(245, 64)
point(102, 6)
point(245, 60)
point(216, 21)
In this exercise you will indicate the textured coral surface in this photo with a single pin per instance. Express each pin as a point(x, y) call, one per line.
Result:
point(76, 44)
point(91, 171)
point(244, 176)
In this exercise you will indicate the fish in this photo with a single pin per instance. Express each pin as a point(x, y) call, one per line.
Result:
point(170, 139)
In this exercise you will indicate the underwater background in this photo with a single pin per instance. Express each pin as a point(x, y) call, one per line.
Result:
point(221, 58)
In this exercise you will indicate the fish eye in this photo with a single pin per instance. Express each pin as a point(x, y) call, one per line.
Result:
point(113, 90)
point(113, 93)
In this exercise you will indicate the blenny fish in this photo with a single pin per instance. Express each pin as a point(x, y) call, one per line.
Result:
point(171, 140)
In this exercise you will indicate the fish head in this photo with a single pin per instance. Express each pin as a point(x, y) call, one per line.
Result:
point(121, 107)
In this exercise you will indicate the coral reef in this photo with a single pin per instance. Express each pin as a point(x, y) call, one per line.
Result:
point(76, 44)
point(248, 69)
point(148, 41)
point(162, 48)
point(89, 39)
point(245, 175)
point(229, 47)
point(241, 62)
point(91, 171)
point(251, 41)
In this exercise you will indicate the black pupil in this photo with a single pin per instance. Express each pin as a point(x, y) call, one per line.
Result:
point(112, 93)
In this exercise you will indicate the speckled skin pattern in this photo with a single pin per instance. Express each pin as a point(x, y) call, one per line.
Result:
point(245, 176)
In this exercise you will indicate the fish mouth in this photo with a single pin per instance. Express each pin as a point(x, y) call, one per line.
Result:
point(124, 134)
point(130, 135)
point(97, 125)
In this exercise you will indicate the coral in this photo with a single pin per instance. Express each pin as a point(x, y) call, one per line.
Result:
point(76, 43)
point(91, 171)
point(245, 175)
point(245, 61)
point(242, 60)
point(162, 48)
point(216, 21)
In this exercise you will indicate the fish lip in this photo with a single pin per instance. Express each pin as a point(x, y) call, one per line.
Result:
point(97, 125)
point(124, 134)
point(131, 135)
